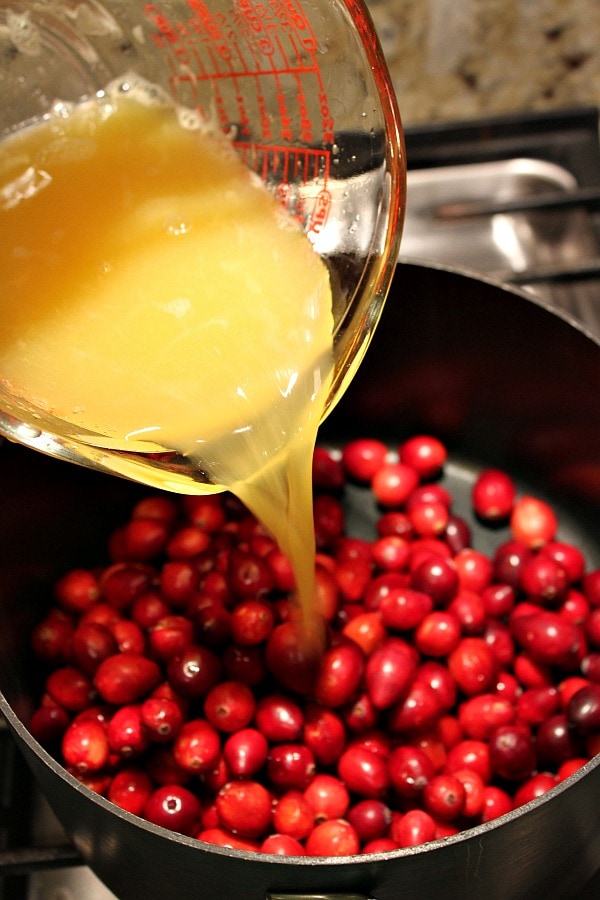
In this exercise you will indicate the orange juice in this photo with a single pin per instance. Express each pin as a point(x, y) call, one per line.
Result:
point(156, 297)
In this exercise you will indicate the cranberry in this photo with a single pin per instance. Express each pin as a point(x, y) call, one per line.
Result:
point(533, 522)
point(509, 559)
point(417, 711)
point(370, 819)
point(282, 845)
point(333, 837)
point(145, 538)
point(362, 458)
point(70, 688)
point(547, 637)
point(293, 815)
point(393, 483)
point(394, 522)
point(470, 754)
point(536, 704)
point(536, 786)
point(469, 609)
point(438, 634)
point(389, 672)
point(429, 518)
point(162, 718)
point(444, 797)
point(170, 636)
point(493, 495)
point(544, 580)
point(437, 577)
point(91, 644)
point(48, 724)
point(126, 734)
point(364, 772)
point(85, 746)
point(122, 583)
point(410, 769)
point(367, 630)
point(194, 672)
point(472, 665)
point(175, 807)
point(415, 827)
point(156, 506)
point(458, 534)
point(290, 766)
point(229, 706)
point(583, 710)
point(197, 746)
point(126, 677)
point(473, 785)
point(245, 664)
point(481, 714)
point(327, 469)
point(279, 718)
point(290, 658)
point(339, 675)
point(245, 808)
point(424, 453)
point(324, 734)
point(245, 752)
point(77, 591)
point(496, 803)
point(51, 640)
point(403, 609)
point(130, 789)
point(328, 515)
point(328, 797)
point(391, 552)
point(512, 751)
point(223, 838)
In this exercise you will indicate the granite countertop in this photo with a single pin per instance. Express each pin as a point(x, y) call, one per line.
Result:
point(462, 59)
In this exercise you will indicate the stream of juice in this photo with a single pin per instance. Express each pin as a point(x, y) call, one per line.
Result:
point(156, 297)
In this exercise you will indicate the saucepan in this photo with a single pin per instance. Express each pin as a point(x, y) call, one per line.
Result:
point(503, 381)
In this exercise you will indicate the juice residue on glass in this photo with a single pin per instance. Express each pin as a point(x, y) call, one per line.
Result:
point(156, 297)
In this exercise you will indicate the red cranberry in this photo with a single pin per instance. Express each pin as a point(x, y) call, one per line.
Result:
point(126, 678)
point(509, 559)
point(162, 718)
point(393, 483)
point(173, 806)
point(403, 609)
point(130, 789)
point(77, 590)
point(458, 534)
point(279, 718)
point(293, 815)
point(324, 734)
point(85, 746)
point(367, 630)
point(533, 522)
point(444, 797)
point(437, 577)
point(481, 714)
point(438, 634)
point(424, 453)
point(365, 773)
point(290, 658)
point(92, 643)
point(389, 672)
point(547, 637)
point(126, 734)
point(328, 797)
point(536, 786)
point(245, 808)
point(512, 751)
point(229, 706)
point(410, 769)
point(496, 803)
point(339, 675)
point(70, 688)
point(362, 458)
point(290, 766)
point(197, 746)
point(473, 665)
point(493, 495)
point(583, 710)
point(245, 752)
point(415, 827)
point(333, 837)
point(194, 672)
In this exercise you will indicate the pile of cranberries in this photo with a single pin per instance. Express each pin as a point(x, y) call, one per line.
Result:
point(454, 686)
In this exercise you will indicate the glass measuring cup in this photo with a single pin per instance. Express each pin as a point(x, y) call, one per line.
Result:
point(302, 89)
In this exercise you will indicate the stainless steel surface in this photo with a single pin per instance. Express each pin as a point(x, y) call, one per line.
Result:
point(508, 245)
point(498, 244)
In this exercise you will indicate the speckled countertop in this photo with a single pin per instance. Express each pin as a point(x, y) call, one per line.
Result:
point(462, 59)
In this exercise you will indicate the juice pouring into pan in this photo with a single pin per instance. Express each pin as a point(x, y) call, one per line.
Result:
point(200, 212)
